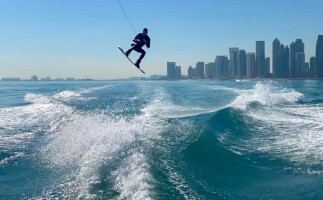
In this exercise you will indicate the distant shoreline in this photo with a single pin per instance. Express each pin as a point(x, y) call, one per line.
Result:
point(144, 79)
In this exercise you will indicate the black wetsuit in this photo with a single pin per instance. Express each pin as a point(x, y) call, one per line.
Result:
point(138, 42)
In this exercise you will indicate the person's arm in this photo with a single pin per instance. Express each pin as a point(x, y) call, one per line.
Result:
point(137, 38)
point(148, 42)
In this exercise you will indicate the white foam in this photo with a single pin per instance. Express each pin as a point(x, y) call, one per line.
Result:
point(162, 107)
point(299, 136)
point(6, 160)
point(43, 115)
point(42, 111)
point(90, 141)
point(265, 94)
point(297, 128)
point(94, 89)
point(133, 179)
point(81, 140)
point(37, 99)
point(66, 95)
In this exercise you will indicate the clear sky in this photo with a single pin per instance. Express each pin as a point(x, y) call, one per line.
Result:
point(79, 38)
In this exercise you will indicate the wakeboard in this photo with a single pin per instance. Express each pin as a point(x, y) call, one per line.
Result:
point(119, 47)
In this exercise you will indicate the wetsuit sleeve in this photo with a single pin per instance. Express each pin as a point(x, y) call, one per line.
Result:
point(136, 38)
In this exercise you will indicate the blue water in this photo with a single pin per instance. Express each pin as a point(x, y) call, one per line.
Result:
point(161, 140)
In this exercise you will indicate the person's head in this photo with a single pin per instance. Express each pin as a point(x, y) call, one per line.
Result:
point(145, 31)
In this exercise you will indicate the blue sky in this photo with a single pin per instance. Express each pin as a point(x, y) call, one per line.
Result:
point(79, 38)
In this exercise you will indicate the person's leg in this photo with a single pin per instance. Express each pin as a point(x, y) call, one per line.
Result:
point(129, 50)
point(133, 47)
point(143, 53)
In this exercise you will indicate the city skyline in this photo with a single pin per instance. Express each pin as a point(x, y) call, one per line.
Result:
point(79, 39)
point(288, 61)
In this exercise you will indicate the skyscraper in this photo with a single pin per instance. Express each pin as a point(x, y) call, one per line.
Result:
point(306, 73)
point(222, 66)
point(200, 69)
point(191, 73)
point(297, 47)
point(251, 65)
point(313, 66)
point(299, 65)
point(171, 70)
point(241, 64)
point(233, 61)
point(319, 56)
point(34, 78)
point(291, 60)
point(210, 70)
point(286, 62)
point(178, 72)
point(226, 66)
point(260, 58)
point(280, 60)
point(277, 61)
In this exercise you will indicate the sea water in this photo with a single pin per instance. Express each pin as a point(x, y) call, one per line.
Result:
point(161, 140)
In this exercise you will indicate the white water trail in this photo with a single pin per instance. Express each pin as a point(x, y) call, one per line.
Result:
point(298, 128)
point(90, 142)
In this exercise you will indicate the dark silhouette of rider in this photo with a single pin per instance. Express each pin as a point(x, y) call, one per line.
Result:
point(138, 42)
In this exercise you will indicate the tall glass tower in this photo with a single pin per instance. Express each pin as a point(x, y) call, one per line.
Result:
point(200, 70)
point(260, 58)
point(171, 70)
point(233, 61)
point(277, 61)
point(319, 56)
